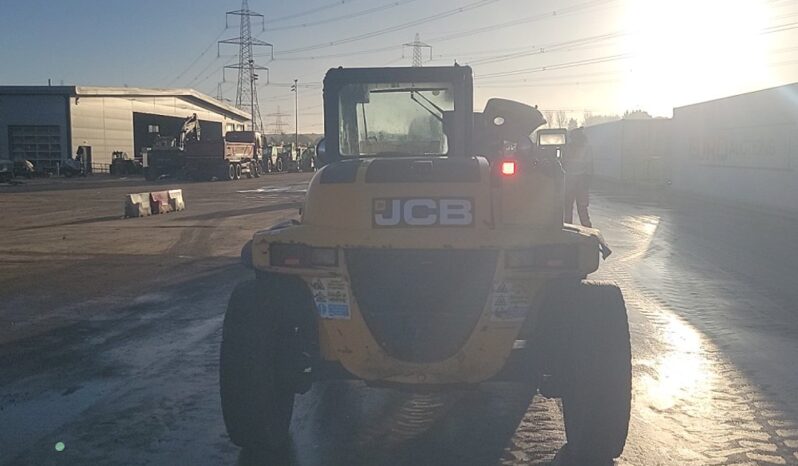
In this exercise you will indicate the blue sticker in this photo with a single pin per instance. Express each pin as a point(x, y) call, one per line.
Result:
point(332, 298)
point(338, 311)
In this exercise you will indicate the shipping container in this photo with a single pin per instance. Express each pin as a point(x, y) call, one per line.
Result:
point(632, 151)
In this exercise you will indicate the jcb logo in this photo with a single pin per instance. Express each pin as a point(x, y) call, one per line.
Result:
point(423, 212)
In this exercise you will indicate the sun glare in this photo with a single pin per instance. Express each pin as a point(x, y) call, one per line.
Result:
point(686, 51)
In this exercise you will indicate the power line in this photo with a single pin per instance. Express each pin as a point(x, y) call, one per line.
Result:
point(182, 73)
point(554, 14)
point(591, 61)
point(356, 14)
point(279, 97)
point(517, 22)
point(206, 68)
point(550, 48)
point(399, 27)
point(311, 107)
point(556, 78)
point(313, 85)
point(392, 61)
point(548, 84)
point(559, 66)
point(471, 57)
point(311, 11)
point(339, 55)
point(605, 59)
point(780, 28)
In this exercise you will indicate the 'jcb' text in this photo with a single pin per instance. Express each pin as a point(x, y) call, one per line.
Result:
point(423, 212)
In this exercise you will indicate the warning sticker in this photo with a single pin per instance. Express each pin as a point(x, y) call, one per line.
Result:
point(332, 298)
point(509, 302)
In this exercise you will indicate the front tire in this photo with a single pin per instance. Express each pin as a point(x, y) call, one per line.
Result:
point(257, 396)
point(595, 371)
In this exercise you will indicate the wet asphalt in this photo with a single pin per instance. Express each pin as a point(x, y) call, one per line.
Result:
point(109, 334)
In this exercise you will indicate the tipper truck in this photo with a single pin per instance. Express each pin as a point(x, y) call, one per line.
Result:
point(239, 153)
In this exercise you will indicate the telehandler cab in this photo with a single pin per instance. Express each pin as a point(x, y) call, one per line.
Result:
point(430, 254)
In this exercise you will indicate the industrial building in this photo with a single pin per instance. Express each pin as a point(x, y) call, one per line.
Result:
point(47, 124)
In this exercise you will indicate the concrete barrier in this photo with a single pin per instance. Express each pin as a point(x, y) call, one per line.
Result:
point(137, 205)
point(176, 201)
point(159, 202)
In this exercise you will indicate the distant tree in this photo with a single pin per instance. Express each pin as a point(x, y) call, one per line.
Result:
point(636, 115)
point(572, 124)
point(590, 119)
point(561, 118)
point(549, 116)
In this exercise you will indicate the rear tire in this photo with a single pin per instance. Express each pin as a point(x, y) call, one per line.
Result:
point(594, 370)
point(255, 169)
point(256, 392)
point(231, 171)
point(238, 170)
point(280, 166)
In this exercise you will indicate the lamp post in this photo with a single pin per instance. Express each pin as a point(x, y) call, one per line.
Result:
point(296, 115)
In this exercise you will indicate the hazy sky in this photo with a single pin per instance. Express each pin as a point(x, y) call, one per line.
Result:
point(603, 56)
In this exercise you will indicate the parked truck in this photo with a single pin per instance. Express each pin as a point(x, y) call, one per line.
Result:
point(167, 156)
point(239, 153)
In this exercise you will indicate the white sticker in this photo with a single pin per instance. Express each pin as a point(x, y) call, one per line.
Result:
point(509, 302)
point(332, 298)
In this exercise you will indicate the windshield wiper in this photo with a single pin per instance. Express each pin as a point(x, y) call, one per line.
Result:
point(438, 116)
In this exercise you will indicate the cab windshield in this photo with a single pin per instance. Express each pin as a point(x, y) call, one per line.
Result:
point(394, 119)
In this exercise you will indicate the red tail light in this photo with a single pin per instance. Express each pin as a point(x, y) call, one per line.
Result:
point(508, 168)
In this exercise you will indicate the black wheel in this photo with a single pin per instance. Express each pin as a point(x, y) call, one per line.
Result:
point(256, 169)
point(593, 369)
point(231, 171)
point(238, 170)
point(256, 391)
point(280, 165)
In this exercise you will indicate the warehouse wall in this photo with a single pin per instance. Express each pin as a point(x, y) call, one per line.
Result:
point(741, 149)
point(106, 123)
point(31, 110)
